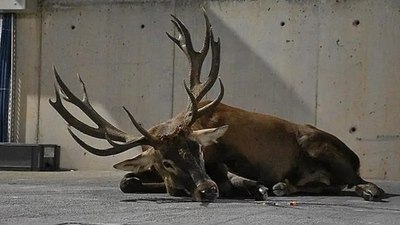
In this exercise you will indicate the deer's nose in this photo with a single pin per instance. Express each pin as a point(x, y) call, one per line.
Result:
point(209, 194)
point(207, 191)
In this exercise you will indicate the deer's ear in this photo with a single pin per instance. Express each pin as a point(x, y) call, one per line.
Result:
point(207, 137)
point(140, 163)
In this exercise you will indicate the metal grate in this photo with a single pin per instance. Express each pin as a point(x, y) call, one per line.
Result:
point(6, 65)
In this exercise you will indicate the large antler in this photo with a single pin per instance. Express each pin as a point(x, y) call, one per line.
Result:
point(105, 130)
point(197, 88)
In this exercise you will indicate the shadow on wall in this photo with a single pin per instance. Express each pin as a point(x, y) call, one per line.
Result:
point(251, 81)
point(250, 48)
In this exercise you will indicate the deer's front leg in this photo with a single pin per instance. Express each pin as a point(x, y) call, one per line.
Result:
point(148, 182)
point(234, 186)
point(144, 182)
point(255, 189)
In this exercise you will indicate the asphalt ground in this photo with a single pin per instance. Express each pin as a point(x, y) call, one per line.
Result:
point(93, 197)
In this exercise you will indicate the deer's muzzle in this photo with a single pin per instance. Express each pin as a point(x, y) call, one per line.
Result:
point(205, 191)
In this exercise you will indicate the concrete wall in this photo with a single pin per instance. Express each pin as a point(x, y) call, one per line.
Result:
point(329, 63)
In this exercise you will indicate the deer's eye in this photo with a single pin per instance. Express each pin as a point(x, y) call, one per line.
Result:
point(167, 164)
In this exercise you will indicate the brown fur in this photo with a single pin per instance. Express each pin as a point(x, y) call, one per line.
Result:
point(271, 150)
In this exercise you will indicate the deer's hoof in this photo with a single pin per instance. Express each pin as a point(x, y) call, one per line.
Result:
point(261, 193)
point(280, 189)
point(367, 195)
point(370, 192)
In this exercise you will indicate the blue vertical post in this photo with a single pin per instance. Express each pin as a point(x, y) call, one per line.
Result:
point(5, 74)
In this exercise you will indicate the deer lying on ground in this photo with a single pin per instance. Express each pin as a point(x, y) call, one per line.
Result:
point(213, 149)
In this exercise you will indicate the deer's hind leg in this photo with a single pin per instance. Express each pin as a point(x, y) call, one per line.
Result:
point(315, 182)
point(343, 173)
point(287, 188)
point(342, 165)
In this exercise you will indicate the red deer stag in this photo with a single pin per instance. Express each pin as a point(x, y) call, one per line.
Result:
point(175, 147)
point(261, 149)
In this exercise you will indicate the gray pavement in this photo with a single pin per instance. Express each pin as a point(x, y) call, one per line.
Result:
point(83, 197)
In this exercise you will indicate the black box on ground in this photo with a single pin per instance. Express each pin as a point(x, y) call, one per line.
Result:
point(34, 157)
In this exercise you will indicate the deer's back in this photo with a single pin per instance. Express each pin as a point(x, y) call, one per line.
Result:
point(265, 147)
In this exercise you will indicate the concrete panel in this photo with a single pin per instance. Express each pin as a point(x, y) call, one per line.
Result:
point(269, 53)
point(358, 88)
point(28, 39)
point(121, 52)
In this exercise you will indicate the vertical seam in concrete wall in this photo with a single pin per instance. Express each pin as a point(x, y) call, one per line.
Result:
point(39, 78)
point(173, 69)
point(317, 69)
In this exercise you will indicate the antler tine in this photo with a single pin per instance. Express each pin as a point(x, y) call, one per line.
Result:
point(192, 111)
point(214, 70)
point(195, 58)
point(86, 107)
point(199, 89)
point(116, 149)
point(210, 106)
point(195, 80)
point(185, 40)
point(143, 131)
point(105, 129)
point(85, 97)
point(72, 121)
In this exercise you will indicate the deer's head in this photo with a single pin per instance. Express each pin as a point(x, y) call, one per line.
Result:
point(173, 148)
